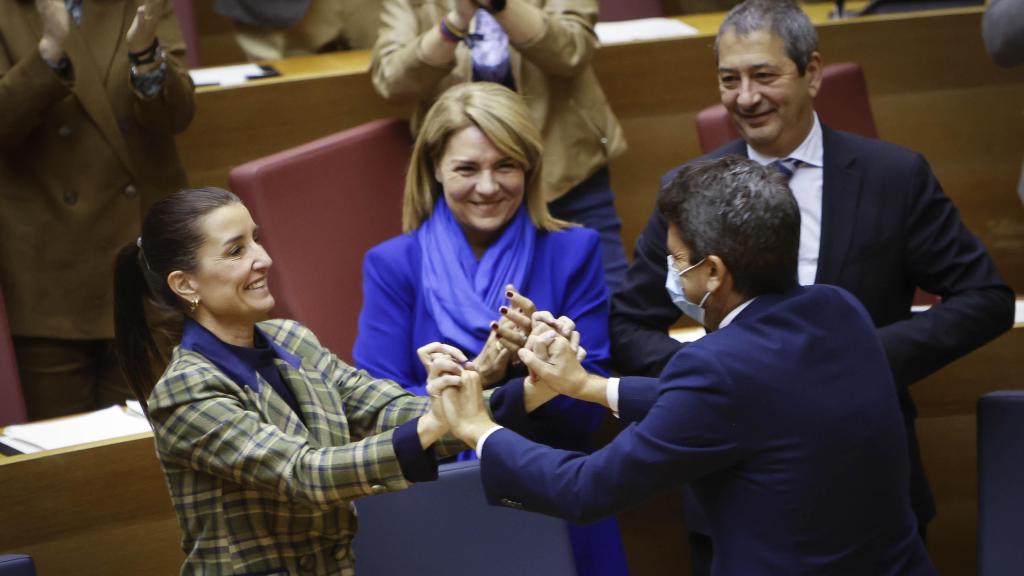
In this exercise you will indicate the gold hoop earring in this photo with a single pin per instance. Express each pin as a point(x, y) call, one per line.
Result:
point(193, 304)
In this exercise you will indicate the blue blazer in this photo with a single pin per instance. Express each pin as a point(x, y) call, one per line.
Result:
point(887, 228)
point(565, 278)
point(788, 429)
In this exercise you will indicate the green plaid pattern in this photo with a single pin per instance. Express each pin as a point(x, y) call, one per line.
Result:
point(258, 490)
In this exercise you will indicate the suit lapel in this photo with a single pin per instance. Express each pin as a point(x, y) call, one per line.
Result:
point(840, 197)
point(90, 78)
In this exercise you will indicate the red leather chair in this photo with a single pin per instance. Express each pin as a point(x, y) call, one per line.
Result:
point(842, 103)
point(613, 10)
point(186, 14)
point(320, 207)
point(12, 403)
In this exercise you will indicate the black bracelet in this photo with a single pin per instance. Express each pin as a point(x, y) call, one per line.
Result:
point(147, 56)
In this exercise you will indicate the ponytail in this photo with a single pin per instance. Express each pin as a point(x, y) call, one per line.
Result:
point(133, 339)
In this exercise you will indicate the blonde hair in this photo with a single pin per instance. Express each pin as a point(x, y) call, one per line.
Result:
point(503, 117)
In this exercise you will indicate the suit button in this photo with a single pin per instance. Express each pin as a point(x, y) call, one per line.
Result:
point(307, 563)
point(70, 197)
point(511, 503)
point(64, 131)
point(378, 489)
point(130, 191)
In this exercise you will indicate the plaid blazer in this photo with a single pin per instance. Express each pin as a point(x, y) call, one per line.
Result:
point(256, 489)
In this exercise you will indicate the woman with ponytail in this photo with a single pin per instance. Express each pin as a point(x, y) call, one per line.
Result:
point(264, 436)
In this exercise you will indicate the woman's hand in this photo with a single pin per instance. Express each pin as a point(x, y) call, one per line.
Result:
point(142, 31)
point(492, 362)
point(462, 14)
point(56, 25)
point(516, 321)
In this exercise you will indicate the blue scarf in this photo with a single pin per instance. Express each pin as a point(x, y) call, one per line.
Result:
point(462, 294)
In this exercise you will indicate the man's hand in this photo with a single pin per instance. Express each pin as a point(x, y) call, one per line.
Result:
point(554, 363)
point(142, 31)
point(56, 25)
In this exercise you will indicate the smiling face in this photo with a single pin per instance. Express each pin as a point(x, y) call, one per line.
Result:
point(771, 103)
point(230, 277)
point(483, 186)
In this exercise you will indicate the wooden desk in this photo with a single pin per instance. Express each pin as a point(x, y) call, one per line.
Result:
point(933, 89)
point(94, 509)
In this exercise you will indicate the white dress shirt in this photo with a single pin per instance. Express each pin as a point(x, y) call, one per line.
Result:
point(806, 184)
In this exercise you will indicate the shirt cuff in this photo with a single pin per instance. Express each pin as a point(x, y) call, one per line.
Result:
point(483, 438)
point(612, 394)
point(418, 465)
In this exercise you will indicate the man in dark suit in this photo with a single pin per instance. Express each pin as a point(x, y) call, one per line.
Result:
point(874, 221)
point(784, 417)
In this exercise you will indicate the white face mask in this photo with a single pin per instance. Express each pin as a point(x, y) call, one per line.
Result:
point(674, 286)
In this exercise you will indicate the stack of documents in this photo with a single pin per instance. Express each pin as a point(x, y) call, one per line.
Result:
point(643, 29)
point(103, 424)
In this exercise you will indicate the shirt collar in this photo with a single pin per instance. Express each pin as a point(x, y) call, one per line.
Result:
point(238, 362)
point(734, 313)
point(810, 151)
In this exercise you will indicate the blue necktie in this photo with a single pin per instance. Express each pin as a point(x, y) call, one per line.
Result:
point(786, 166)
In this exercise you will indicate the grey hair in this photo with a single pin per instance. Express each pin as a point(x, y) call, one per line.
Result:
point(784, 18)
point(742, 212)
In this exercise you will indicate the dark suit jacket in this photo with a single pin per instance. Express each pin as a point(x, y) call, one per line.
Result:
point(788, 429)
point(887, 228)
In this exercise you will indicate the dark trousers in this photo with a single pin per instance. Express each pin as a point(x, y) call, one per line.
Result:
point(61, 377)
point(591, 203)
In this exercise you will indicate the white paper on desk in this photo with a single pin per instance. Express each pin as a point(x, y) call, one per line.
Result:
point(226, 75)
point(642, 29)
point(103, 424)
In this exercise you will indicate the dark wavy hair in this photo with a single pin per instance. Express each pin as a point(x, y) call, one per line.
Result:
point(742, 212)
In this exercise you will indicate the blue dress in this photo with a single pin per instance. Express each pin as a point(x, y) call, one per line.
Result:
point(565, 278)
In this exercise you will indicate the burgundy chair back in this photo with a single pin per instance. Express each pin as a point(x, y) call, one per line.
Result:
point(12, 403)
point(842, 103)
point(613, 10)
point(189, 30)
point(320, 207)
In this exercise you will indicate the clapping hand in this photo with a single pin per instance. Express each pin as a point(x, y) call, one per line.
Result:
point(142, 31)
point(56, 24)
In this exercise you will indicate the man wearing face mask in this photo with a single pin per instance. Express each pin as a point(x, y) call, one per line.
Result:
point(874, 220)
point(784, 418)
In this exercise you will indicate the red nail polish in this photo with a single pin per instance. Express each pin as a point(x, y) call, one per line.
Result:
point(509, 294)
point(503, 309)
point(494, 325)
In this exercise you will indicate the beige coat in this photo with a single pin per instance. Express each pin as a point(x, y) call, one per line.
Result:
point(79, 165)
point(553, 73)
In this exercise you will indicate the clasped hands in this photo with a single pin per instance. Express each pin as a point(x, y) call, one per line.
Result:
point(551, 353)
point(57, 24)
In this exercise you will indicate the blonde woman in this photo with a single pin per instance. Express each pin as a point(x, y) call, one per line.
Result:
point(478, 237)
